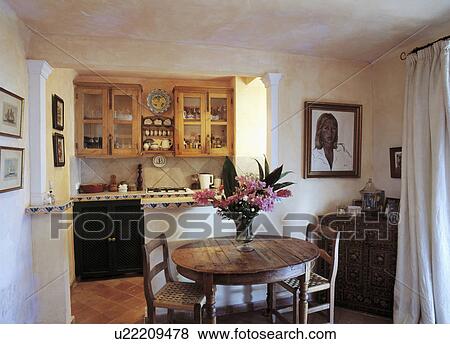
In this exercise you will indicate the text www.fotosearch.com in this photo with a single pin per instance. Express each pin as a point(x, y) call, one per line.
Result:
point(236, 334)
point(263, 334)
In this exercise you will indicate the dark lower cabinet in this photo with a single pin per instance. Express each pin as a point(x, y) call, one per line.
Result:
point(108, 236)
point(367, 262)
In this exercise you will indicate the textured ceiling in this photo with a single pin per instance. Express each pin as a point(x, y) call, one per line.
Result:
point(346, 29)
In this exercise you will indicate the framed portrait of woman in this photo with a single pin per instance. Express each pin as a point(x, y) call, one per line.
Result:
point(332, 140)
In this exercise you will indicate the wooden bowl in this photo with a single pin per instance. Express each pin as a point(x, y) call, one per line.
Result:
point(91, 188)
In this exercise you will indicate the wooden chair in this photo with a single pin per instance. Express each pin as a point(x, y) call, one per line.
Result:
point(313, 282)
point(174, 295)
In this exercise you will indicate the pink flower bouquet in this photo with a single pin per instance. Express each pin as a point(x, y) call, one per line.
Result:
point(242, 198)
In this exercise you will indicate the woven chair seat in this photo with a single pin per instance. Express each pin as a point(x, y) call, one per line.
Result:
point(179, 294)
point(314, 281)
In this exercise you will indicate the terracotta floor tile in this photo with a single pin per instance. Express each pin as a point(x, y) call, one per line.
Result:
point(124, 285)
point(112, 282)
point(77, 306)
point(134, 302)
point(119, 297)
point(122, 301)
point(115, 311)
point(105, 291)
point(136, 280)
point(129, 317)
point(104, 305)
point(95, 319)
point(83, 316)
point(90, 299)
point(136, 290)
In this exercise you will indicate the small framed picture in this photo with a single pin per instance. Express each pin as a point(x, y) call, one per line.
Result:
point(332, 140)
point(395, 154)
point(392, 210)
point(59, 153)
point(11, 169)
point(58, 112)
point(11, 112)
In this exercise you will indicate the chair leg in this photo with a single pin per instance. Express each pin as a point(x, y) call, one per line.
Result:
point(170, 316)
point(198, 314)
point(303, 303)
point(331, 310)
point(151, 315)
point(295, 308)
point(271, 302)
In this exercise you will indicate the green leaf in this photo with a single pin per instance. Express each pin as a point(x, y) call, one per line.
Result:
point(229, 177)
point(279, 186)
point(266, 166)
point(284, 174)
point(274, 176)
point(261, 172)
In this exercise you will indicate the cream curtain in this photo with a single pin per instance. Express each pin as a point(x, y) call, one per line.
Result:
point(422, 288)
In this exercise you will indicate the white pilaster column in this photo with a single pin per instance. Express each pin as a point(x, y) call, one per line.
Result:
point(38, 73)
point(272, 82)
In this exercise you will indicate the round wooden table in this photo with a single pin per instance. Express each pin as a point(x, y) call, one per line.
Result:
point(217, 261)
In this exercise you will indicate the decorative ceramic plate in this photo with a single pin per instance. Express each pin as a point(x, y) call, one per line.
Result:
point(159, 161)
point(158, 101)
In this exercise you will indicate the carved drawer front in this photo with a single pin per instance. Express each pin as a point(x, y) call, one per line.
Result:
point(379, 278)
point(354, 299)
point(353, 253)
point(380, 301)
point(354, 275)
point(382, 256)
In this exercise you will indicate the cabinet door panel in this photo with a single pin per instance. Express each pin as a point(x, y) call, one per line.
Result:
point(91, 111)
point(128, 229)
point(190, 124)
point(124, 123)
point(219, 124)
point(93, 230)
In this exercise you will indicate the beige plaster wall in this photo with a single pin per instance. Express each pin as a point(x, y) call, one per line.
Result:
point(16, 283)
point(60, 82)
point(389, 76)
point(305, 78)
point(251, 123)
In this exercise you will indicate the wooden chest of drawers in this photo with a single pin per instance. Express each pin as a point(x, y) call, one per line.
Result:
point(367, 262)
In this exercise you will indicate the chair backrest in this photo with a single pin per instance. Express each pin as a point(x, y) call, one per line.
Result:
point(316, 233)
point(151, 271)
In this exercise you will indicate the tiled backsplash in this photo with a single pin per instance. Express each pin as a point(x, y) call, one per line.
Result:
point(177, 172)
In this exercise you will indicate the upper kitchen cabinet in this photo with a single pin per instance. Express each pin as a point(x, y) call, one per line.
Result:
point(204, 122)
point(108, 120)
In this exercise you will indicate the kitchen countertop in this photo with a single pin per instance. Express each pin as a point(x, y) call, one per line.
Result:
point(110, 196)
point(148, 201)
point(58, 207)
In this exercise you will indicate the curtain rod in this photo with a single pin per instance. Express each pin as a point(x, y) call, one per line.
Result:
point(403, 55)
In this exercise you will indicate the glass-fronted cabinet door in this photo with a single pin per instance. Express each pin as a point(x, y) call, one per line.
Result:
point(92, 113)
point(219, 125)
point(124, 122)
point(190, 127)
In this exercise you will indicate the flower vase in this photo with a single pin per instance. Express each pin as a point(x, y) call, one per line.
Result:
point(244, 235)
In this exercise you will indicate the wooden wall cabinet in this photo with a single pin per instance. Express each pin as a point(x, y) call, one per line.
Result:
point(204, 122)
point(107, 120)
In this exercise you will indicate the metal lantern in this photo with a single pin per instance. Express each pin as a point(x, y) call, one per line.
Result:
point(372, 198)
